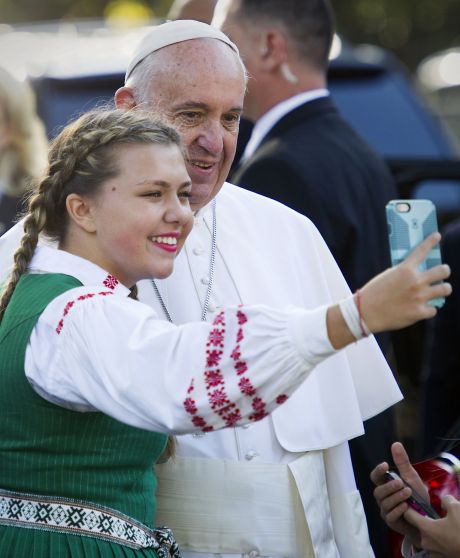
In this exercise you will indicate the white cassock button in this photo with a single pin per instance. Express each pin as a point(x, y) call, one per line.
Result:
point(212, 307)
point(198, 250)
point(250, 455)
point(198, 434)
point(245, 426)
point(205, 280)
point(253, 554)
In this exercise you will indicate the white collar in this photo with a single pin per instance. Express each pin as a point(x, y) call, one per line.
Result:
point(203, 212)
point(274, 115)
point(51, 260)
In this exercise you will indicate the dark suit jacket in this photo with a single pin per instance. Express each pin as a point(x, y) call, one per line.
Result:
point(441, 382)
point(314, 162)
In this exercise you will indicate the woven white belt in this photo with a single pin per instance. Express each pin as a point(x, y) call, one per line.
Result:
point(64, 515)
point(219, 506)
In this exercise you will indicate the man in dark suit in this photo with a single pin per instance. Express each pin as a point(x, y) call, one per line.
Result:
point(303, 153)
point(440, 388)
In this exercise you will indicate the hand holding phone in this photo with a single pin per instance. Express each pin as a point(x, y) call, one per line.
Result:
point(415, 501)
point(409, 222)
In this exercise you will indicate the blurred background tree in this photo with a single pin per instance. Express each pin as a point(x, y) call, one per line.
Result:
point(20, 11)
point(412, 29)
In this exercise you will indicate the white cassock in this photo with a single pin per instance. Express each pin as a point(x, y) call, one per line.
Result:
point(283, 487)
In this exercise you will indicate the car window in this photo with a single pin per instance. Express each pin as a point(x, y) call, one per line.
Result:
point(61, 100)
point(383, 109)
point(386, 111)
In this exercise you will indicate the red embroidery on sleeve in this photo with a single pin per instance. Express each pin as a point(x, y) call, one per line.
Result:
point(246, 387)
point(259, 407)
point(213, 378)
point(225, 410)
point(241, 367)
point(219, 319)
point(242, 318)
point(232, 418)
point(230, 414)
point(71, 303)
point(235, 355)
point(213, 358)
point(216, 338)
point(218, 398)
point(258, 404)
point(190, 406)
point(199, 421)
point(110, 281)
point(282, 398)
point(258, 416)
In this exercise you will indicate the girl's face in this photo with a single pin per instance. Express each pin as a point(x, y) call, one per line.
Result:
point(142, 217)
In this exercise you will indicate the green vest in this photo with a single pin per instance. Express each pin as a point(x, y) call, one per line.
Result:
point(46, 449)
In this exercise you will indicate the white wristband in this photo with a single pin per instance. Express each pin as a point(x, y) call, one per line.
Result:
point(351, 316)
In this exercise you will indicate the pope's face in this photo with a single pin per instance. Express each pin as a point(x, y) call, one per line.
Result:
point(201, 94)
point(142, 216)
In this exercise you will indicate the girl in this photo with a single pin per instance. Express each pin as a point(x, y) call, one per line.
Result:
point(92, 382)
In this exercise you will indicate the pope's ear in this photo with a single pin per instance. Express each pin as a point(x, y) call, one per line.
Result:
point(80, 211)
point(124, 98)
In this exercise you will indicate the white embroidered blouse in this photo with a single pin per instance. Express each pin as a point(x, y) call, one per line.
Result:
point(93, 348)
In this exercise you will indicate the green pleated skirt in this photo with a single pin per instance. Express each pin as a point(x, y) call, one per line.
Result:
point(23, 542)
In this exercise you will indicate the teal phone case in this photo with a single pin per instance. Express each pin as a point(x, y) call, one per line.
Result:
point(409, 222)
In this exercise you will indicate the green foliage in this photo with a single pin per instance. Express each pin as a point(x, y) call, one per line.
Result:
point(412, 29)
point(20, 11)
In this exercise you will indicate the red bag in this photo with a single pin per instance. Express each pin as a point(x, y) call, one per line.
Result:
point(441, 477)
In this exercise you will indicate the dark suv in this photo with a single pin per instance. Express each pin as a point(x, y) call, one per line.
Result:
point(375, 93)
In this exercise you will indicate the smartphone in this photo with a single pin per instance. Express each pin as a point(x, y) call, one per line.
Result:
point(409, 222)
point(415, 501)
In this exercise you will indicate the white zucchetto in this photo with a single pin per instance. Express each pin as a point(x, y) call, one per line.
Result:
point(174, 32)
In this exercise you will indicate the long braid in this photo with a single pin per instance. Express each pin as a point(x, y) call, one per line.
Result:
point(33, 225)
point(41, 203)
point(80, 160)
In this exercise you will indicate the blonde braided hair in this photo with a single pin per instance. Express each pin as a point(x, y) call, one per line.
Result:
point(80, 160)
